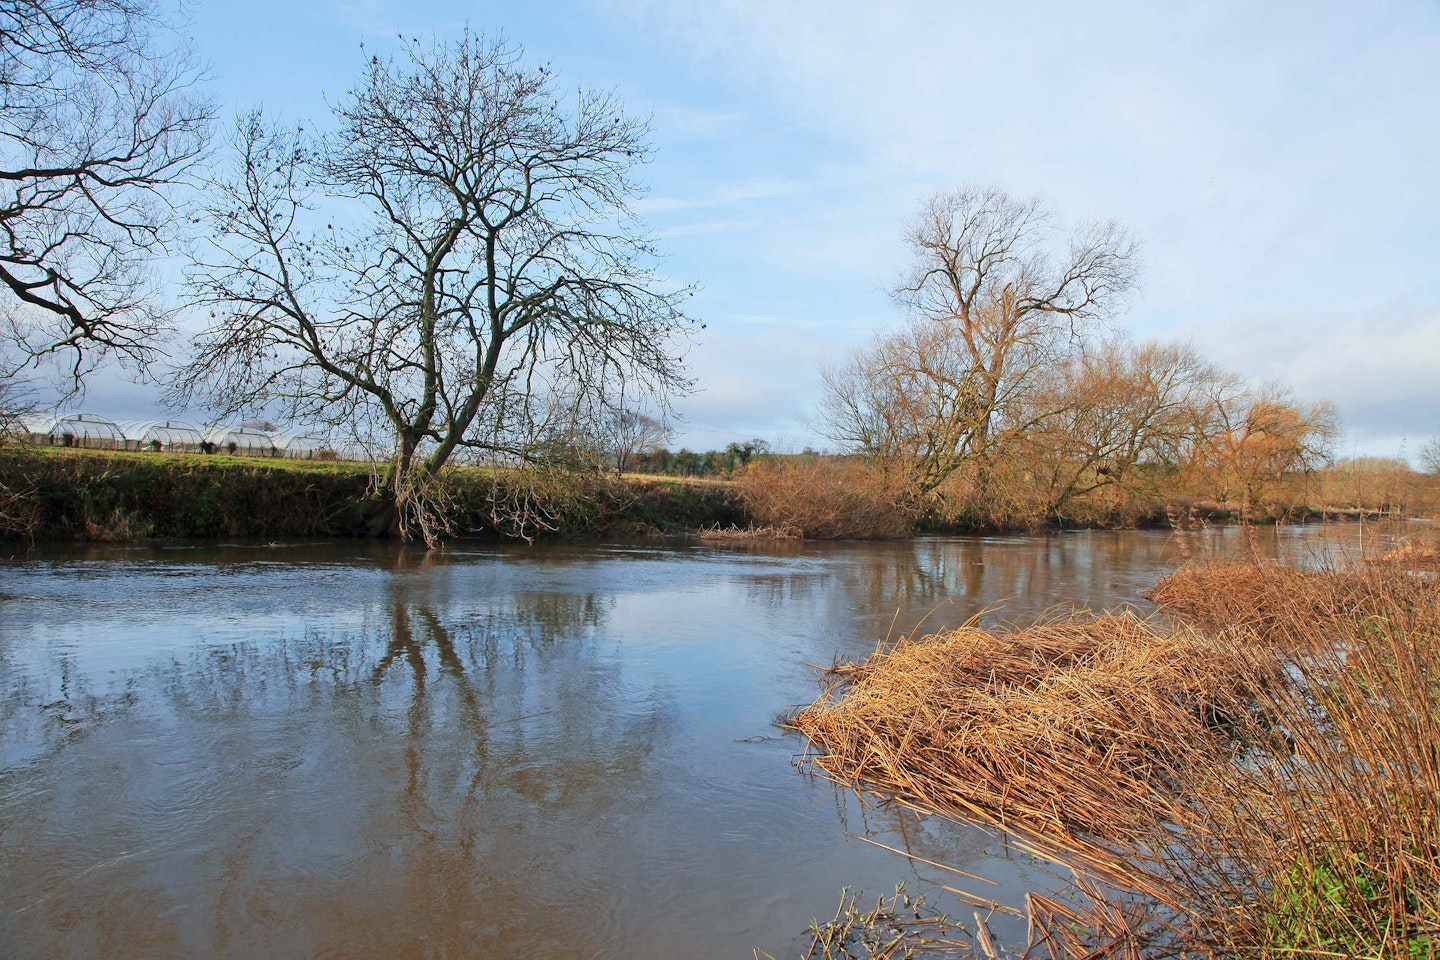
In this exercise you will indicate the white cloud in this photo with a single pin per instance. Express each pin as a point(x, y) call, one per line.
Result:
point(1378, 370)
point(1275, 161)
point(757, 382)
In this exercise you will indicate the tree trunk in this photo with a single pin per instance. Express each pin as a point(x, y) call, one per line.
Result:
point(380, 515)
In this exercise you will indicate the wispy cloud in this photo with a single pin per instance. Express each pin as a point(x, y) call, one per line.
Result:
point(1275, 161)
point(722, 195)
point(390, 18)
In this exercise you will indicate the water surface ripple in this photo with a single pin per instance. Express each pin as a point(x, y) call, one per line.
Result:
point(360, 750)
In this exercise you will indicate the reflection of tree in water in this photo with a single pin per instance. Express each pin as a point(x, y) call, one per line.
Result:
point(885, 570)
point(539, 747)
point(871, 581)
point(929, 585)
point(397, 790)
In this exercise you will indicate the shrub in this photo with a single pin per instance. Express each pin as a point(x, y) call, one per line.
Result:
point(823, 498)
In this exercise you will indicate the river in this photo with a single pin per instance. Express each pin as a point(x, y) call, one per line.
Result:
point(349, 749)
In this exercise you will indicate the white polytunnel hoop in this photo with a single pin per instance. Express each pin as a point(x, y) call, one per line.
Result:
point(168, 435)
point(80, 430)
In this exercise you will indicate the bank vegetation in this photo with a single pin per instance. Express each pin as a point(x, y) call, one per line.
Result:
point(55, 494)
point(1252, 771)
point(1006, 397)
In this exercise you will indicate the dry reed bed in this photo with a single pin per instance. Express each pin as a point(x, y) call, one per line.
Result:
point(738, 534)
point(1068, 728)
point(1263, 763)
point(1412, 554)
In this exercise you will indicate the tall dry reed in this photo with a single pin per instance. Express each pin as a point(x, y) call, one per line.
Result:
point(1263, 766)
point(1330, 845)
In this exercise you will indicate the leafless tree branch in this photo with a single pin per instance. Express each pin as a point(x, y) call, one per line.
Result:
point(98, 123)
point(476, 280)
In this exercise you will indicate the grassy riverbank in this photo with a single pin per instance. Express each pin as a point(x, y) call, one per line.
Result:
point(1259, 764)
point(52, 494)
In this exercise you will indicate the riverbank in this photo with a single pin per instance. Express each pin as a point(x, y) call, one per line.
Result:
point(50, 493)
point(116, 496)
point(1256, 764)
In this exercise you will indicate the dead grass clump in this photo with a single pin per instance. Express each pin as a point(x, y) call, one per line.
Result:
point(738, 534)
point(1412, 555)
point(1330, 837)
point(1265, 767)
point(900, 928)
point(1284, 604)
point(1069, 726)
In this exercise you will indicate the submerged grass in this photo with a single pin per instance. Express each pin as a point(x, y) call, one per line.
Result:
point(1260, 764)
point(903, 927)
point(738, 534)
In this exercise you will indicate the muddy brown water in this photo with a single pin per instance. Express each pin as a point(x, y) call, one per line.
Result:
point(359, 750)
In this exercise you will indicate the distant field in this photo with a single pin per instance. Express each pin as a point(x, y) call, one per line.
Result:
point(190, 459)
point(303, 465)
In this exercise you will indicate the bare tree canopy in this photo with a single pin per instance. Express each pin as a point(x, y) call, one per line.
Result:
point(97, 122)
point(453, 266)
point(626, 432)
point(1252, 439)
point(988, 271)
point(1121, 416)
point(995, 303)
point(1430, 456)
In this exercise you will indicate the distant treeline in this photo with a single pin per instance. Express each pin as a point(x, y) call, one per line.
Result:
point(719, 464)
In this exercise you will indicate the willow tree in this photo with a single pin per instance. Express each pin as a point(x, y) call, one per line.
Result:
point(995, 300)
point(1253, 444)
point(1124, 418)
point(452, 267)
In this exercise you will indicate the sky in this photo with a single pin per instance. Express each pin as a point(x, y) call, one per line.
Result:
point(1279, 164)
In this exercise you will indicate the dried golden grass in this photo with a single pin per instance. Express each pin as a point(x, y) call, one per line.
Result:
point(1412, 555)
point(1063, 729)
point(1330, 844)
point(738, 534)
point(1264, 765)
point(828, 498)
point(1279, 603)
point(900, 928)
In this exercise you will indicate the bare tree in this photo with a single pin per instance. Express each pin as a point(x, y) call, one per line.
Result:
point(1430, 456)
point(97, 123)
point(1123, 416)
point(17, 406)
point(629, 432)
point(907, 402)
point(453, 268)
point(19, 513)
point(994, 306)
point(1252, 443)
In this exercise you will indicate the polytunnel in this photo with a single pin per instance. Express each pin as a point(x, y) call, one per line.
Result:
point(241, 440)
point(304, 445)
point(80, 430)
point(170, 435)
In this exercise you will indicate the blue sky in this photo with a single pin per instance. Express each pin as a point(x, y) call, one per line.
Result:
point(1280, 164)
